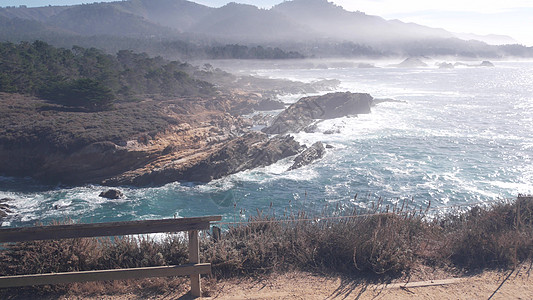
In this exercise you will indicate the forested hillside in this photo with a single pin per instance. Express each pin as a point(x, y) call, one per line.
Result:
point(90, 78)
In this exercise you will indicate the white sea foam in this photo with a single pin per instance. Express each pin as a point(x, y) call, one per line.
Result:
point(274, 172)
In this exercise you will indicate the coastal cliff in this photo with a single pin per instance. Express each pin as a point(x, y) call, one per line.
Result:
point(150, 142)
point(156, 141)
point(131, 119)
point(249, 151)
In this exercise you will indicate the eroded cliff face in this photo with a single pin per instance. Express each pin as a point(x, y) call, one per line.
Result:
point(215, 160)
point(100, 162)
point(150, 142)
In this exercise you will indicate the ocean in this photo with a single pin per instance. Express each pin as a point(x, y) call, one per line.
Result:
point(460, 136)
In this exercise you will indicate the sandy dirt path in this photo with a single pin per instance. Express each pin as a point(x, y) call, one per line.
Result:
point(517, 284)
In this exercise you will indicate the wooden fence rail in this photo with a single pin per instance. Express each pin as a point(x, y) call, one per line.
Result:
point(55, 232)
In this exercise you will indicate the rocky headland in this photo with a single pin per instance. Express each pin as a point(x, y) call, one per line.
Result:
point(157, 141)
point(446, 65)
point(150, 142)
point(129, 119)
point(411, 62)
point(251, 150)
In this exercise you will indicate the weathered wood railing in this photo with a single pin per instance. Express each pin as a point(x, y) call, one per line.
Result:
point(55, 232)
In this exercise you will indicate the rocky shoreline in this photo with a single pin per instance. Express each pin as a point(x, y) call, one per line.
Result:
point(240, 153)
point(193, 140)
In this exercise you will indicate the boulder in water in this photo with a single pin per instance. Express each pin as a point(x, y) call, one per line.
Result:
point(311, 128)
point(332, 131)
point(486, 63)
point(446, 65)
point(112, 194)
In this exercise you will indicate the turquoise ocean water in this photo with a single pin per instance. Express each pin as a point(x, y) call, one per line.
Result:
point(463, 136)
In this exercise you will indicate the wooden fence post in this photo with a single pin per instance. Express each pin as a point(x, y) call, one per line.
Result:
point(194, 258)
point(57, 232)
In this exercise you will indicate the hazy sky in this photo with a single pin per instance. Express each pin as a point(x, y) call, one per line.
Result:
point(508, 17)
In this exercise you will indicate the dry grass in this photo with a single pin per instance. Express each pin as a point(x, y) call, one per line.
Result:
point(380, 244)
point(499, 236)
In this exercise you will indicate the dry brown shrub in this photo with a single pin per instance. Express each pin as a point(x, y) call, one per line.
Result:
point(497, 236)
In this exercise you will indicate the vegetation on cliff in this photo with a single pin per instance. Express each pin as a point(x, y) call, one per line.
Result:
point(33, 125)
point(87, 93)
point(235, 51)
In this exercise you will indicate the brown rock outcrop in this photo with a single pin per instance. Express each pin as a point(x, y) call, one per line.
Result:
point(51, 144)
point(249, 151)
point(316, 151)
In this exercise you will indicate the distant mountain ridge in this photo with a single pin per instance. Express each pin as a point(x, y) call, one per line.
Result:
point(311, 23)
point(300, 19)
point(334, 21)
point(242, 22)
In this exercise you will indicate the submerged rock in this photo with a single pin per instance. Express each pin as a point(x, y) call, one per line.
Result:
point(112, 194)
point(445, 65)
point(301, 114)
point(4, 200)
point(316, 151)
point(486, 63)
point(365, 66)
point(377, 101)
point(311, 128)
point(5, 208)
point(332, 131)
